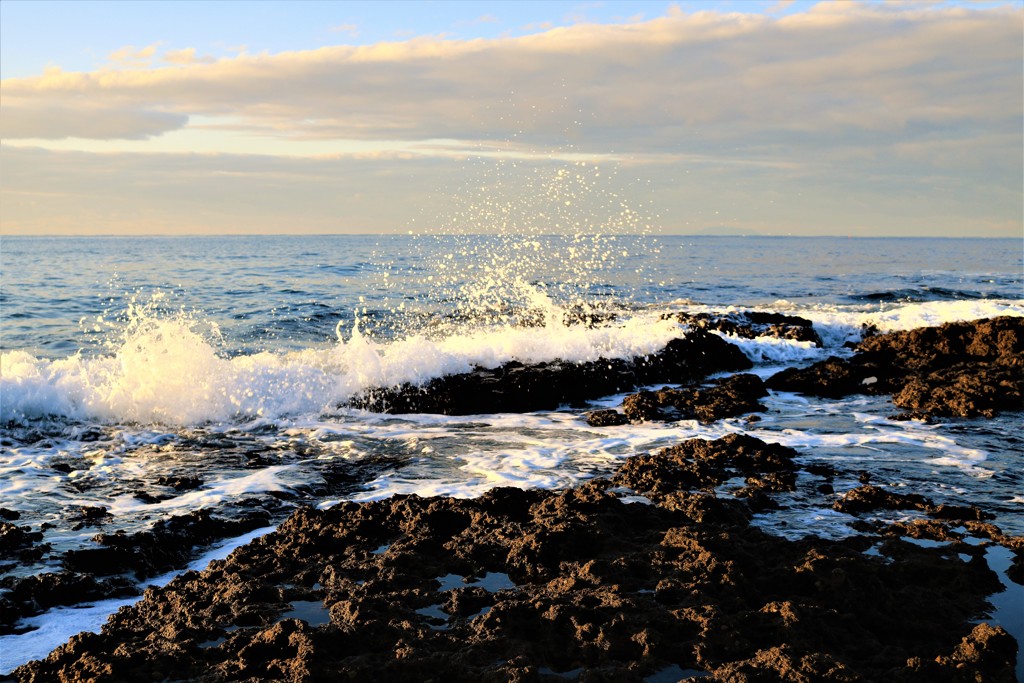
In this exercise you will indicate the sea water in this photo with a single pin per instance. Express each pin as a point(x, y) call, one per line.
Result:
point(229, 359)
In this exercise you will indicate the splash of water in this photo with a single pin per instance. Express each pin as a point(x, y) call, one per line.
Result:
point(530, 245)
point(170, 368)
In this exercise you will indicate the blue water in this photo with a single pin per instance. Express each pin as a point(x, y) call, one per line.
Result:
point(229, 359)
point(284, 293)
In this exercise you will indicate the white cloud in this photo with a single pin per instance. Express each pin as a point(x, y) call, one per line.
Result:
point(130, 56)
point(90, 120)
point(350, 29)
point(842, 98)
point(187, 56)
point(831, 69)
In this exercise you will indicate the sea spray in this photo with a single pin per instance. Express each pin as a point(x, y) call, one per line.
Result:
point(166, 370)
point(528, 244)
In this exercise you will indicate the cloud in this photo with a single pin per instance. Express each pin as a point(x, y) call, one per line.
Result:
point(779, 6)
point(350, 29)
point(831, 70)
point(846, 99)
point(186, 56)
point(247, 193)
point(131, 57)
point(89, 120)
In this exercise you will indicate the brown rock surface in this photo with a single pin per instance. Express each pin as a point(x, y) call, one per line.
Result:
point(961, 369)
point(537, 585)
point(606, 418)
point(726, 397)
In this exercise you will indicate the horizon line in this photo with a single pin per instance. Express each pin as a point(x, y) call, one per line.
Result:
point(491, 234)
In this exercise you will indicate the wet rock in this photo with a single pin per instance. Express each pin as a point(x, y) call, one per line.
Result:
point(961, 369)
point(958, 512)
point(520, 585)
point(965, 390)
point(580, 315)
point(997, 340)
point(88, 515)
point(15, 538)
point(90, 512)
point(343, 477)
point(991, 531)
point(986, 654)
point(821, 470)
point(1016, 571)
point(867, 498)
point(28, 596)
point(515, 387)
point(833, 378)
point(180, 482)
point(606, 418)
point(9, 515)
point(700, 464)
point(727, 397)
point(169, 544)
point(908, 415)
point(753, 324)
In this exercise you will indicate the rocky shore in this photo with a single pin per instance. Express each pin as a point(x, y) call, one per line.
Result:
point(652, 573)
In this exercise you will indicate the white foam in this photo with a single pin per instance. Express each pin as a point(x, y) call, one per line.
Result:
point(837, 325)
point(953, 455)
point(168, 370)
point(165, 372)
point(774, 350)
point(210, 494)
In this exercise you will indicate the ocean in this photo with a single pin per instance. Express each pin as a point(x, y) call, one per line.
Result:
point(133, 364)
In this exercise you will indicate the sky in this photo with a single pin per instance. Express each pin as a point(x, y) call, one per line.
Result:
point(778, 118)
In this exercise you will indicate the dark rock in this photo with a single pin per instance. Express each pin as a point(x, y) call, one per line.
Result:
point(834, 378)
point(585, 582)
point(753, 324)
point(866, 498)
point(91, 512)
point(965, 390)
point(700, 464)
point(958, 512)
point(9, 515)
point(995, 340)
point(962, 369)
point(1016, 571)
point(169, 544)
point(606, 418)
point(912, 415)
point(32, 595)
point(727, 397)
point(821, 470)
point(180, 483)
point(13, 537)
point(985, 654)
point(515, 387)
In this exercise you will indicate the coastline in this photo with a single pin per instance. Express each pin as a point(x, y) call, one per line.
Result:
point(563, 553)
